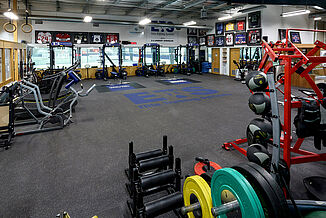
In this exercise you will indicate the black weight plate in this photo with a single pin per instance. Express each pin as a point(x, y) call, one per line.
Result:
point(270, 200)
point(275, 187)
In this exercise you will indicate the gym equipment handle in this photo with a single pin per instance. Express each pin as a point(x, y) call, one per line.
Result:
point(216, 211)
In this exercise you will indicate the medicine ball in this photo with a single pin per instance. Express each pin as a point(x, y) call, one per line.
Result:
point(259, 131)
point(258, 154)
point(256, 81)
point(260, 103)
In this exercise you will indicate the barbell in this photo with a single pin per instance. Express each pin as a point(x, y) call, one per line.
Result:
point(247, 189)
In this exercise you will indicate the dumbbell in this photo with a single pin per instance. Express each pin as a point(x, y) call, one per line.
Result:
point(135, 158)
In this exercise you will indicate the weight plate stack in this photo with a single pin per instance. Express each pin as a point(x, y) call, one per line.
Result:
point(231, 180)
point(269, 192)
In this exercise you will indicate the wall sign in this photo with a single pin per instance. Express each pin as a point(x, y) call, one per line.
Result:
point(43, 37)
point(159, 34)
point(241, 25)
point(230, 26)
point(202, 40)
point(97, 38)
point(254, 37)
point(62, 37)
point(295, 37)
point(219, 28)
point(282, 34)
point(80, 38)
point(192, 39)
point(191, 32)
point(219, 41)
point(254, 19)
point(240, 38)
point(210, 40)
point(229, 39)
point(202, 32)
point(112, 38)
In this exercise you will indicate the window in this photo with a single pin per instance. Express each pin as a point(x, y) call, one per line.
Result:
point(62, 57)
point(113, 53)
point(183, 55)
point(7, 63)
point(0, 64)
point(91, 57)
point(130, 56)
point(41, 57)
point(209, 54)
point(167, 55)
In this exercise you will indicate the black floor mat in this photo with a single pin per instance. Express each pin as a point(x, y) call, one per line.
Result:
point(176, 81)
point(118, 87)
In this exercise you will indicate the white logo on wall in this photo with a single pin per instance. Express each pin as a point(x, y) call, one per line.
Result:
point(163, 35)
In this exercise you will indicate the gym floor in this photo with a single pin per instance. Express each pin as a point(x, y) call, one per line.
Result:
point(80, 169)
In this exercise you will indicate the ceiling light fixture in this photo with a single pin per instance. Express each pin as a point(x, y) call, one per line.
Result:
point(225, 18)
point(145, 21)
point(317, 18)
point(88, 19)
point(246, 10)
point(189, 23)
point(318, 8)
point(295, 13)
point(11, 15)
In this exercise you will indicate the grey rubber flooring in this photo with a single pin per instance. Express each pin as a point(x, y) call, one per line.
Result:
point(80, 169)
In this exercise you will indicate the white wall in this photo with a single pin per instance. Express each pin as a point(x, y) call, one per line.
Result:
point(272, 21)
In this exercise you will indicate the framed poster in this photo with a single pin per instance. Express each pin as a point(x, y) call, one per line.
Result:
point(219, 41)
point(219, 28)
point(282, 34)
point(240, 38)
point(43, 37)
point(229, 39)
point(254, 37)
point(202, 32)
point(112, 38)
point(241, 25)
point(81, 38)
point(210, 40)
point(62, 37)
point(230, 26)
point(254, 19)
point(295, 37)
point(192, 39)
point(202, 40)
point(191, 32)
point(97, 38)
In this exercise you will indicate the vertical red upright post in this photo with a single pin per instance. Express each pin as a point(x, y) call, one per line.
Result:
point(287, 111)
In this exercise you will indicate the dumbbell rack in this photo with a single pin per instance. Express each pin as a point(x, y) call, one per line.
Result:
point(285, 53)
point(152, 172)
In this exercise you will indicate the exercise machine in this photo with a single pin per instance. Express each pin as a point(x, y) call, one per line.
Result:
point(150, 69)
point(117, 71)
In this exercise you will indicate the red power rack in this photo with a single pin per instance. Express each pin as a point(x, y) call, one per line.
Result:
point(286, 53)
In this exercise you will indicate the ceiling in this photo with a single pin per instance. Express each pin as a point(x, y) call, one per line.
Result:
point(155, 8)
point(184, 9)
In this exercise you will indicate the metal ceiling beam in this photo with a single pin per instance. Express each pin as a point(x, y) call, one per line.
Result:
point(321, 3)
point(194, 3)
point(57, 5)
point(108, 21)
